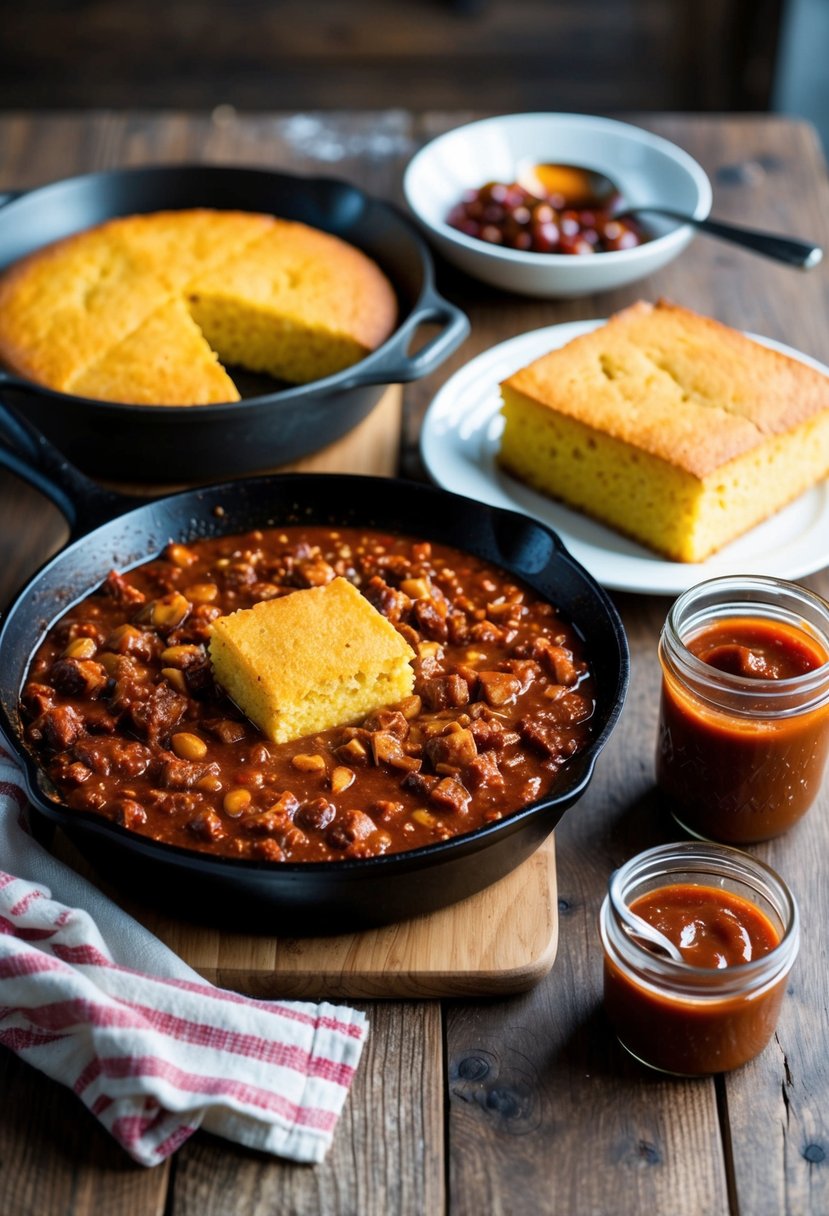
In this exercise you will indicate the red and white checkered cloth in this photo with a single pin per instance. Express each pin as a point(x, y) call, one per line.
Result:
point(91, 998)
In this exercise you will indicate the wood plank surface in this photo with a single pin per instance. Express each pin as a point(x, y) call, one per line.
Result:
point(593, 1132)
point(508, 54)
point(544, 1112)
point(387, 1157)
point(56, 1158)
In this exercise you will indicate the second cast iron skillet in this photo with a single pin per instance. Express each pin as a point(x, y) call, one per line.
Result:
point(294, 898)
point(274, 423)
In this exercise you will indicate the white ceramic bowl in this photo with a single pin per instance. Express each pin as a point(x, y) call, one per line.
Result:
point(646, 168)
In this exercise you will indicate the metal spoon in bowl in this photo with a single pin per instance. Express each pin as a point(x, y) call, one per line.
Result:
point(586, 189)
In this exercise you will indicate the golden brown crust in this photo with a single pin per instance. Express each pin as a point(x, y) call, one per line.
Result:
point(310, 277)
point(165, 361)
point(310, 660)
point(64, 308)
point(677, 385)
point(669, 427)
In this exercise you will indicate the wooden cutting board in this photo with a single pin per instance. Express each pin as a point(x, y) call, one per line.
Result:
point(373, 447)
point(501, 940)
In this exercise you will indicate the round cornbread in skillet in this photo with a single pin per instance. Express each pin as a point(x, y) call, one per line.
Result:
point(103, 314)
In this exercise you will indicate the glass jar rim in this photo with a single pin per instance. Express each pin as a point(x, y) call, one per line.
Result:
point(742, 596)
point(703, 859)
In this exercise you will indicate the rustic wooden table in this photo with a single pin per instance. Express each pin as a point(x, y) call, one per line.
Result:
point(524, 1104)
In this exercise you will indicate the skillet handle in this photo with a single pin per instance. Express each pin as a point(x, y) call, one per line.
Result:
point(395, 366)
point(25, 452)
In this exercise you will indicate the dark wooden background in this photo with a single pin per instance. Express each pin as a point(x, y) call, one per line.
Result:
point(578, 55)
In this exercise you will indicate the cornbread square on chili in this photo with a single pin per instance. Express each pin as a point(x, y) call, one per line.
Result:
point(311, 660)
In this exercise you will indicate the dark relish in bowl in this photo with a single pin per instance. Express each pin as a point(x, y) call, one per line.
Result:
point(509, 215)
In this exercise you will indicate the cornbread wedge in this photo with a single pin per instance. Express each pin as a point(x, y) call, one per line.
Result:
point(310, 660)
point(165, 361)
point(297, 304)
point(668, 426)
point(65, 306)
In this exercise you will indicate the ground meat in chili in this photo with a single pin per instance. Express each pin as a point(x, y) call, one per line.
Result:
point(123, 712)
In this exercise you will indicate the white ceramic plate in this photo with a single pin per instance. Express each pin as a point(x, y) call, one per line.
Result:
point(460, 439)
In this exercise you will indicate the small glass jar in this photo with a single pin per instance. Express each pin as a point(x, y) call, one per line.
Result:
point(680, 1018)
point(741, 758)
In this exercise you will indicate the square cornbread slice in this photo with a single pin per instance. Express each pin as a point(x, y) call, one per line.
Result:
point(310, 660)
point(668, 426)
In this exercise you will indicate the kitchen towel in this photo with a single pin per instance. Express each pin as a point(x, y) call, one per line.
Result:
point(92, 999)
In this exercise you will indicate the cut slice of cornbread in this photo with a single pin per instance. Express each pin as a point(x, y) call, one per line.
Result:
point(165, 361)
point(298, 304)
point(64, 306)
point(668, 426)
point(310, 660)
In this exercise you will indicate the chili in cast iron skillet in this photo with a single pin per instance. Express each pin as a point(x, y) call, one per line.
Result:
point(187, 443)
point(109, 530)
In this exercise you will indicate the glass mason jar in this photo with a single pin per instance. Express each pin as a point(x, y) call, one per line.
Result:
point(681, 1018)
point(741, 758)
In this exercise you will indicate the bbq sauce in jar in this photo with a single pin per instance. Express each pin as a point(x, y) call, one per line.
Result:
point(743, 731)
point(734, 927)
point(710, 926)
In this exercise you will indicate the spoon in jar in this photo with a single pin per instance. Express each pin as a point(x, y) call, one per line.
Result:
point(647, 935)
point(587, 189)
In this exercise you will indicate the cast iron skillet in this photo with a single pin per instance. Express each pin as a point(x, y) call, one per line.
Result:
point(319, 896)
point(185, 443)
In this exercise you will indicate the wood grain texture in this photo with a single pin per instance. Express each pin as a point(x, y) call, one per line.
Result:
point(593, 1132)
point(577, 55)
point(778, 1106)
point(502, 940)
point(44, 1134)
point(387, 1155)
point(523, 1075)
